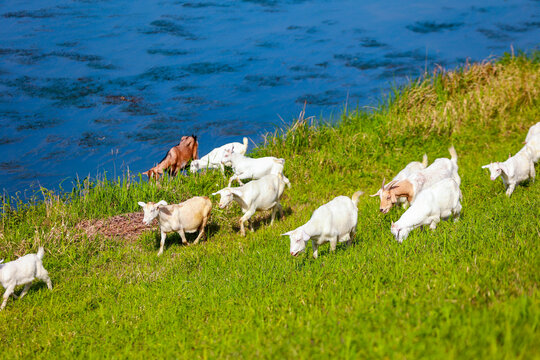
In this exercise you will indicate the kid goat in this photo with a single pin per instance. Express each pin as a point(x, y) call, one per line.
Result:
point(261, 194)
point(187, 217)
point(213, 159)
point(332, 222)
point(440, 201)
point(248, 168)
point(513, 171)
point(177, 157)
point(22, 271)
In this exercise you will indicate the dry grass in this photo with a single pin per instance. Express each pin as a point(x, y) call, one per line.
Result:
point(475, 95)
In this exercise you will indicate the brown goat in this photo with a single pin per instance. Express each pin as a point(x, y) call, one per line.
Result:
point(177, 158)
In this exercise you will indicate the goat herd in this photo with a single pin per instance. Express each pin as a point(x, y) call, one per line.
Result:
point(432, 192)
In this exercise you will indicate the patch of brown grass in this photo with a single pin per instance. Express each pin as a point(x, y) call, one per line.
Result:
point(123, 226)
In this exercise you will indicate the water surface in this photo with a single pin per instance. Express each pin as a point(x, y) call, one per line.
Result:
point(88, 87)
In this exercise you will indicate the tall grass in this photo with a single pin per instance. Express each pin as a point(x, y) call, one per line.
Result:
point(466, 290)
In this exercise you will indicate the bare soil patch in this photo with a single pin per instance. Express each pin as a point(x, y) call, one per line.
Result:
point(124, 226)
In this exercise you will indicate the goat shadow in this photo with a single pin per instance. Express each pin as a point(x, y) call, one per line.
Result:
point(175, 239)
point(263, 220)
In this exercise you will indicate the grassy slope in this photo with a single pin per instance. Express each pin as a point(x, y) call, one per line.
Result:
point(466, 290)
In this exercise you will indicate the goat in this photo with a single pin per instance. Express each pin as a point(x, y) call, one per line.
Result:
point(332, 222)
point(187, 217)
point(261, 194)
point(411, 168)
point(411, 186)
point(534, 131)
point(248, 168)
point(22, 271)
point(212, 160)
point(437, 202)
point(516, 169)
point(177, 158)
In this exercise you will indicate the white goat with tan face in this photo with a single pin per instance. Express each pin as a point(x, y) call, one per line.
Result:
point(261, 194)
point(513, 171)
point(440, 169)
point(249, 168)
point(187, 217)
point(22, 271)
point(411, 168)
point(213, 159)
point(440, 201)
point(332, 222)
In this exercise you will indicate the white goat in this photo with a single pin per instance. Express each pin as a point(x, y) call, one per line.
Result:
point(187, 217)
point(22, 271)
point(534, 131)
point(533, 146)
point(213, 159)
point(332, 222)
point(411, 168)
point(261, 194)
point(437, 202)
point(248, 168)
point(440, 169)
point(513, 171)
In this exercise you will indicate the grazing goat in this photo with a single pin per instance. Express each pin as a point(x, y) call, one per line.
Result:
point(332, 222)
point(248, 168)
point(410, 169)
point(261, 194)
point(177, 157)
point(440, 169)
point(22, 271)
point(437, 202)
point(213, 159)
point(187, 217)
point(534, 131)
point(513, 171)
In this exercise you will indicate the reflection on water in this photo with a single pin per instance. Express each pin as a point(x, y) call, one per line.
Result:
point(85, 86)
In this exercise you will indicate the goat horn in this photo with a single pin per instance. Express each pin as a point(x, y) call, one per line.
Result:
point(382, 186)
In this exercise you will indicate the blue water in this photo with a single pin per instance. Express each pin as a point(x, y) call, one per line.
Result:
point(88, 87)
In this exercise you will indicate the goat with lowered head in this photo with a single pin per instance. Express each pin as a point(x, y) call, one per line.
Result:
point(332, 222)
point(516, 169)
point(213, 159)
point(261, 194)
point(187, 217)
point(177, 158)
point(411, 168)
point(22, 271)
point(411, 186)
point(440, 201)
point(249, 168)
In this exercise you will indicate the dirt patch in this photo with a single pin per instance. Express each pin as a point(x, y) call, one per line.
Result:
point(124, 226)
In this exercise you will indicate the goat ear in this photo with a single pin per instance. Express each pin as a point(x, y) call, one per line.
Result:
point(393, 198)
point(485, 166)
point(288, 233)
point(378, 193)
point(147, 173)
point(304, 235)
point(236, 192)
point(1, 261)
point(217, 193)
point(141, 204)
point(162, 203)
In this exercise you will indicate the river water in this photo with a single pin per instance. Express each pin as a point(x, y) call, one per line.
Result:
point(88, 87)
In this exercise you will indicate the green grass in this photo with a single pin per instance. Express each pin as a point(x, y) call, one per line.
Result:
point(466, 290)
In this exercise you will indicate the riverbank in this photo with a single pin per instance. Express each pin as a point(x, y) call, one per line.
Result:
point(466, 290)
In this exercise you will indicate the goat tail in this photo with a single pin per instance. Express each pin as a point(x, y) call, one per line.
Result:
point(425, 161)
point(40, 253)
point(285, 180)
point(453, 153)
point(244, 150)
point(355, 197)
